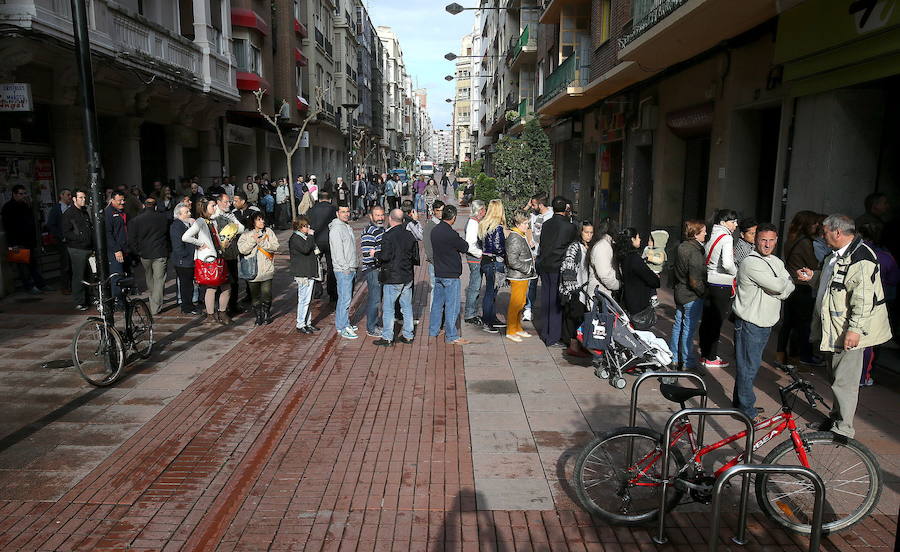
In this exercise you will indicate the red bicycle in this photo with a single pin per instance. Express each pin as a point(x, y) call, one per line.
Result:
point(627, 493)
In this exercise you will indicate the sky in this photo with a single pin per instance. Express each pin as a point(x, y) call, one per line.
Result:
point(426, 33)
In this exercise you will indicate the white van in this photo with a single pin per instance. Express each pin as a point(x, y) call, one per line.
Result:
point(426, 168)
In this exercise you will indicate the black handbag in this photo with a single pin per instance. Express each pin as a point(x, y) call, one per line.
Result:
point(644, 320)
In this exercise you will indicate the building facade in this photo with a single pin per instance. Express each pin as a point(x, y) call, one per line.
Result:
point(656, 116)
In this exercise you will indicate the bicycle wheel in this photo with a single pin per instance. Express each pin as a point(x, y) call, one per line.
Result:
point(98, 352)
point(602, 477)
point(852, 484)
point(141, 337)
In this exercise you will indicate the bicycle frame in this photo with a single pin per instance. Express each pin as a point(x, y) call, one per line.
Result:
point(777, 425)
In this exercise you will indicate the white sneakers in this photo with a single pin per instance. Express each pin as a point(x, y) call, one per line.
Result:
point(526, 315)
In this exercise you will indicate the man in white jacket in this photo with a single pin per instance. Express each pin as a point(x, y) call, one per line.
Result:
point(762, 285)
point(342, 247)
point(473, 261)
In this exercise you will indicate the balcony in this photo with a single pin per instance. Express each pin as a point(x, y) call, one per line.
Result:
point(666, 32)
point(526, 108)
point(524, 51)
point(553, 9)
point(566, 82)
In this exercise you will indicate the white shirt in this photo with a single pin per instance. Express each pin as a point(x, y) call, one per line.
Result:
point(472, 238)
point(825, 277)
point(537, 221)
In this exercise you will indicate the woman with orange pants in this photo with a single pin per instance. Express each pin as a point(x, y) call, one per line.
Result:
point(519, 271)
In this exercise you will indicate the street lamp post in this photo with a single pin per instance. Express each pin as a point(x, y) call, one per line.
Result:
point(89, 114)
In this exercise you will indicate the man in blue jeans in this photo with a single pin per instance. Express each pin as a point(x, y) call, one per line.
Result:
point(342, 247)
point(762, 285)
point(370, 246)
point(398, 257)
point(446, 246)
point(473, 260)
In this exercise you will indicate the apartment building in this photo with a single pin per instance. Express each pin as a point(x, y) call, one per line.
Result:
point(397, 100)
point(164, 78)
point(662, 110)
point(463, 125)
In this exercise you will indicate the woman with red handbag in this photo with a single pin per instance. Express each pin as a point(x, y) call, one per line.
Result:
point(210, 270)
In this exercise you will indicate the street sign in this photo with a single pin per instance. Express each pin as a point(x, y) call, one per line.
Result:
point(15, 96)
point(304, 141)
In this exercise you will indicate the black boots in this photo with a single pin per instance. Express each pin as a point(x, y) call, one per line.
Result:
point(263, 314)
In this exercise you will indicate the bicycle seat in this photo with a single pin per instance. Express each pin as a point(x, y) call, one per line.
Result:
point(126, 282)
point(678, 394)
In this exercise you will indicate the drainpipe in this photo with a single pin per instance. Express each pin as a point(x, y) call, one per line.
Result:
point(787, 170)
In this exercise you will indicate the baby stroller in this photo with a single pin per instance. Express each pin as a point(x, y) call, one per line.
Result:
point(617, 347)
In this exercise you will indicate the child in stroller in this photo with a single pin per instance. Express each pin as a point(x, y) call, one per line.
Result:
point(617, 347)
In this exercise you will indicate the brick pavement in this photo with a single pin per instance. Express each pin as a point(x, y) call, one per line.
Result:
point(315, 443)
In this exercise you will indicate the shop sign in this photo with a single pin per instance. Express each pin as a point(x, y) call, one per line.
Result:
point(15, 96)
point(817, 25)
point(241, 135)
point(826, 44)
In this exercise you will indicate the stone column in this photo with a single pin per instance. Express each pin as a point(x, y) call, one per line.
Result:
point(210, 155)
point(125, 159)
point(174, 153)
point(68, 147)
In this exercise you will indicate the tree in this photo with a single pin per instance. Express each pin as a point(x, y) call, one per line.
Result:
point(289, 152)
point(523, 166)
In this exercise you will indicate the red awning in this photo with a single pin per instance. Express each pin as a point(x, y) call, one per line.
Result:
point(251, 81)
point(300, 28)
point(301, 59)
point(243, 17)
point(302, 104)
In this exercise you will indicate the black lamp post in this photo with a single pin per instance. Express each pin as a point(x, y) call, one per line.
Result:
point(91, 138)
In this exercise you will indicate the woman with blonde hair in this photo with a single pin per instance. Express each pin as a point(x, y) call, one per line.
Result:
point(492, 237)
point(520, 272)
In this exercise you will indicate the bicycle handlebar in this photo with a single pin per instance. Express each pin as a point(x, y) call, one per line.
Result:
point(809, 390)
point(108, 279)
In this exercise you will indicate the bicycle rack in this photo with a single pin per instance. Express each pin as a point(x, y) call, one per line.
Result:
point(632, 414)
point(743, 469)
point(660, 537)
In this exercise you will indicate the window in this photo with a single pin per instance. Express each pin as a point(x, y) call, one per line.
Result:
point(601, 22)
point(240, 54)
point(247, 57)
point(297, 10)
point(255, 60)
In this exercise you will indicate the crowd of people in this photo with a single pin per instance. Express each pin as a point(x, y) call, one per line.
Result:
point(831, 291)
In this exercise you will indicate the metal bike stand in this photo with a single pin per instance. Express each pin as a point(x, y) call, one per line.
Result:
point(743, 469)
point(632, 413)
point(660, 537)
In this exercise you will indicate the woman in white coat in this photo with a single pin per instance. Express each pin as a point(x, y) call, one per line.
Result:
point(260, 242)
point(204, 235)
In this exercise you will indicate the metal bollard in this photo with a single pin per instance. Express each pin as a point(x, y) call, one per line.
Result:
point(815, 534)
point(632, 413)
point(660, 537)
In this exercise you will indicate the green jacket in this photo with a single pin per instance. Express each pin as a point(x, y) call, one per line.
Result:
point(853, 301)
